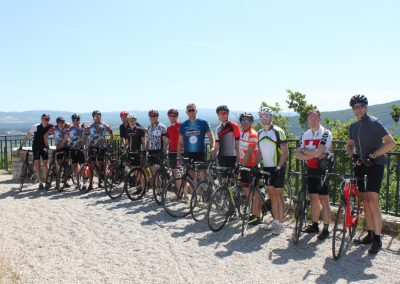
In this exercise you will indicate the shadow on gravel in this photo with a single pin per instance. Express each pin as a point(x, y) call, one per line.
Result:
point(390, 244)
point(30, 193)
point(10, 181)
point(350, 267)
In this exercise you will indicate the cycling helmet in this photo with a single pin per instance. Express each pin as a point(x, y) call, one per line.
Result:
point(173, 111)
point(265, 110)
point(123, 113)
point(75, 116)
point(96, 112)
point(131, 116)
point(153, 112)
point(222, 108)
point(60, 119)
point(45, 115)
point(358, 99)
point(246, 115)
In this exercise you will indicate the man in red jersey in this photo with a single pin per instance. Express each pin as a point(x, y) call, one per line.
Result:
point(173, 136)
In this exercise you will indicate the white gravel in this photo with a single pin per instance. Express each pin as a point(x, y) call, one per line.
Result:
point(73, 238)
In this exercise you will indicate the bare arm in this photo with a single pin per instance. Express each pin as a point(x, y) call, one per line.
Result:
point(179, 150)
point(350, 147)
point(210, 135)
point(165, 144)
point(27, 135)
point(285, 154)
point(388, 146)
point(214, 153)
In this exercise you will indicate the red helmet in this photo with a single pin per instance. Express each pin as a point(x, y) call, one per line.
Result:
point(153, 112)
point(123, 114)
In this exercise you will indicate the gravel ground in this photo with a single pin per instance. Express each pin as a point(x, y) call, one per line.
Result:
point(72, 238)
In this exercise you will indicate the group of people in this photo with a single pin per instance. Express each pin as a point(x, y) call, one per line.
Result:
point(234, 144)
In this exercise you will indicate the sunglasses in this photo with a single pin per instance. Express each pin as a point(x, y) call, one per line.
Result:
point(191, 110)
point(265, 116)
point(172, 116)
point(246, 121)
point(46, 119)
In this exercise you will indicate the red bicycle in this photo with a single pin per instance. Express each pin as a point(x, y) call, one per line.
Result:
point(348, 214)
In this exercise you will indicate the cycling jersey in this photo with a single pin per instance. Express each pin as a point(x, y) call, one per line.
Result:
point(269, 142)
point(173, 135)
point(97, 134)
point(155, 136)
point(193, 133)
point(226, 136)
point(38, 131)
point(311, 141)
point(367, 134)
point(134, 136)
point(59, 135)
point(75, 137)
point(248, 139)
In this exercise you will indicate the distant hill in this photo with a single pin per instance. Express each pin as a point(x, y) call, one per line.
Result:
point(19, 122)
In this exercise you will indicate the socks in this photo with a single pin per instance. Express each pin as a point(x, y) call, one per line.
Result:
point(376, 238)
point(315, 224)
point(326, 227)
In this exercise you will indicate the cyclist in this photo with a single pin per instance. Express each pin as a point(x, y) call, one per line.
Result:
point(76, 133)
point(61, 139)
point(315, 144)
point(96, 134)
point(173, 137)
point(248, 158)
point(273, 150)
point(135, 140)
point(368, 142)
point(122, 128)
point(192, 132)
point(40, 145)
point(227, 139)
point(156, 144)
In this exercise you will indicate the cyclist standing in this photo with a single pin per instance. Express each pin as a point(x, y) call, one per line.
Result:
point(315, 144)
point(192, 132)
point(248, 158)
point(273, 150)
point(96, 133)
point(122, 128)
point(227, 139)
point(40, 145)
point(76, 133)
point(156, 144)
point(368, 142)
point(135, 140)
point(173, 137)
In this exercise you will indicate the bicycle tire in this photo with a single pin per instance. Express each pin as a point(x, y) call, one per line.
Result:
point(23, 176)
point(355, 212)
point(299, 215)
point(114, 182)
point(51, 177)
point(135, 184)
point(176, 196)
point(60, 173)
point(85, 178)
point(247, 211)
point(219, 209)
point(339, 231)
point(159, 181)
point(200, 198)
point(287, 198)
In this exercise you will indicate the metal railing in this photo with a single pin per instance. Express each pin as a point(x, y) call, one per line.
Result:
point(390, 190)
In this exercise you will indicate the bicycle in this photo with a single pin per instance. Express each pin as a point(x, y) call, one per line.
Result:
point(136, 182)
point(160, 178)
point(348, 213)
point(27, 171)
point(52, 173)
point(302, 202)
point(65, 172)
point(177, 193)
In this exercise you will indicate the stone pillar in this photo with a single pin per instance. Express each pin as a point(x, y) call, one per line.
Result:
point(18, 160)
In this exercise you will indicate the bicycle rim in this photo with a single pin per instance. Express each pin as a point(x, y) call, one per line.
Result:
point(199, 201)
point(114, 182)
point(247, 212)
point(339, 231)
point(299, 215)
point(219, 209)
point(176, 197)
point(135, 184)
point(159, 181)
point(85, 178)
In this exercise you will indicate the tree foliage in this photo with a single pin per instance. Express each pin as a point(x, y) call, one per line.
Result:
point(298, 103)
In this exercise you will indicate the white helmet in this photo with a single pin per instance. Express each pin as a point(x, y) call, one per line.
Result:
point(131, 116)
point(265, 110)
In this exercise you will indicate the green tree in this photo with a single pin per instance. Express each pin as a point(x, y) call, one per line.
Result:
point(339, 129)
point(395, 114)
point(298, 103)
point(278, 118)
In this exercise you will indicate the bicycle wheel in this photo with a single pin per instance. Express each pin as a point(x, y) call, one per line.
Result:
point(355, 210)
point(61, 177)
point(200, 198)
point(219, 209)
point(300, 213)
point(23, 175)
point(339, 231)
point(135, 184)
point(287, 198)
point(114, 182)
point(85, 178)
point(51, 177)
point(160, 179)
point(176, 196)
point(247, 211)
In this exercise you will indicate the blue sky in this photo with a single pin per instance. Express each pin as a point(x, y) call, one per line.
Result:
point(79, 55)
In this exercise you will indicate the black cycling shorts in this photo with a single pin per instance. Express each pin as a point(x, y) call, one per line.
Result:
point(37, 154)
point(154, 157)
point(77, 156)
point(314, 183)
point(173, 159)
point(226, 161)
point(245, 177)
point(97, 153)
point(195, 156)
point(275, 178)
point(374, 177)
point(135, 159)
point(61, 153)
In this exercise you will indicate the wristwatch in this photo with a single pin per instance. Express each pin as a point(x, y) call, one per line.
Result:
point(373, 155)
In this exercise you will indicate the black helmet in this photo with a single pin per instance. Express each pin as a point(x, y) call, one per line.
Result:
point(358, 99)
point(75, 116)
point(173, 111)
point(45, 115)
point(246, 115)
point(153, 112)
point(222, 108)
point(96, 112)
point(59, 119)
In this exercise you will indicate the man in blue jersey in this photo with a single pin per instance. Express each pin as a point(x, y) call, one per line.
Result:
point(192, 132)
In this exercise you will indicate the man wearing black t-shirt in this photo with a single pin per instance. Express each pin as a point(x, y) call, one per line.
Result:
point(135, 139)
